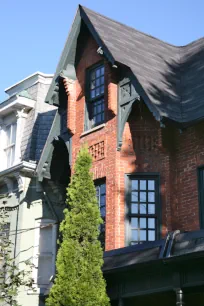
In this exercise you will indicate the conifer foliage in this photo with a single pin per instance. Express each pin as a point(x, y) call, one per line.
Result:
point(12, 279)
point(79, 280)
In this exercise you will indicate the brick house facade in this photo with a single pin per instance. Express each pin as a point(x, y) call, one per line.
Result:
point(147, 147)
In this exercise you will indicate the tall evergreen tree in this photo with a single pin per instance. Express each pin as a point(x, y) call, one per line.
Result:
point(79, 280)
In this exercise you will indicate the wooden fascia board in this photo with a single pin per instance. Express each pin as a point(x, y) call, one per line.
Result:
point(96, 36)
point(68, 55)
point(67, 58)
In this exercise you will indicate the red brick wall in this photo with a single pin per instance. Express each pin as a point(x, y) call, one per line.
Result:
point(188, 156)
point(146, 148)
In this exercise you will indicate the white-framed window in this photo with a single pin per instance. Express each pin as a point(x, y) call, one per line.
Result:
point(44, 252)
point(10, 143)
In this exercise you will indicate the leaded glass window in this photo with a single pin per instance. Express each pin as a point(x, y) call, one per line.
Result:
point(95, 105)
point(143, 209)
point(101, 198)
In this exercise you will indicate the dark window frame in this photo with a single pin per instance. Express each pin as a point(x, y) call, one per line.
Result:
point(158, 211)
point(99, 183)
point(200, 175)
point(90, 102)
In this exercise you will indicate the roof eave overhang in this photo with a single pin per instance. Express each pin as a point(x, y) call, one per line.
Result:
point(16, 103)
point(172, 260)
point(66, 65)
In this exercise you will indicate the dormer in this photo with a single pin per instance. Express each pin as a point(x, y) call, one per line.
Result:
point(13, 113)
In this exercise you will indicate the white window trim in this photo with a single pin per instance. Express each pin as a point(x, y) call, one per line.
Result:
point(38, 224)
point(11, 145)
point(17, 117)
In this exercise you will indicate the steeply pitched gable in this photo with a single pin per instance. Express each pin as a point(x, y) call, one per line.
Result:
point(170, 78)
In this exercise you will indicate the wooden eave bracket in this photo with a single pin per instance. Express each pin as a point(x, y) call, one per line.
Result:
point(127, 96)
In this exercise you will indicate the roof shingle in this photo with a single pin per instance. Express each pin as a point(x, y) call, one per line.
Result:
point(172, 77)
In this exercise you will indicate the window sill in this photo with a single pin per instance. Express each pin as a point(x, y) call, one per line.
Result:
point(98, 127)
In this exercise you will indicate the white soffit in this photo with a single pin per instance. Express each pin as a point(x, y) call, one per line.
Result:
point(16, 103)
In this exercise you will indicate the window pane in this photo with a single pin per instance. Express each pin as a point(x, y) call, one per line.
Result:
point(102, 89)
point(102, 80)
point(102, 70)
point(143, 208)
point(151, 196)
point(134, 222)
point(134, 197)
point(8, 135)
point(12, 155)
point(93, 94)
point(151, 208)
point(101, 198)
point(97, 91)
point(134, 208)
point(45, 238)
point(134, 184)
point(142, 196)
point(151, 235)
point(151, 185)
point(13, 138)
point(142, 185)
point(98, 73)
point(103, 188)
point(45, 270)
point(97, 82)
point(103, 211)
point(143, 235)
point(135, 235)
point(151, 223)
point(99, 108)
point(93, 84)
point(143, 222)
point(8, 154)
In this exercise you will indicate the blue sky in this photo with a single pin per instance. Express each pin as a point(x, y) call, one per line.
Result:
point(33, 33)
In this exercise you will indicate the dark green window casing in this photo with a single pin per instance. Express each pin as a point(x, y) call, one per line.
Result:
point(201, 195)
point(142, 208)
point(95, 106)
point(101, 199)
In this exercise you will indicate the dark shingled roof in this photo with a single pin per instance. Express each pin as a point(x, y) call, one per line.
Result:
point(172, 77)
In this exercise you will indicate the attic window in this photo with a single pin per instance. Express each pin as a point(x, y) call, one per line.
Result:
point(95, 96)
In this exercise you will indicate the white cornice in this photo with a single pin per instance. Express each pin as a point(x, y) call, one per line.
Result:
point(25, 167)
point(28, 82)
point(16, 103)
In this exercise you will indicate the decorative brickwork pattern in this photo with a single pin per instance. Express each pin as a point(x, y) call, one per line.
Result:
point(97, 151)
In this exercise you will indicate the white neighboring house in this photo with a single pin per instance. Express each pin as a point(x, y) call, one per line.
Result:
point(25, 122)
